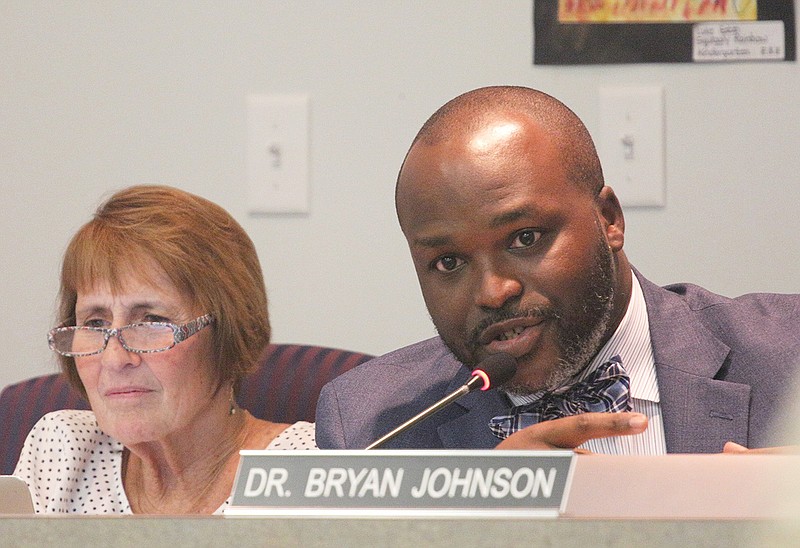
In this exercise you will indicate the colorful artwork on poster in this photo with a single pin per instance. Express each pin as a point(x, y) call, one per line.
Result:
point(576, 32)
point(656, 11)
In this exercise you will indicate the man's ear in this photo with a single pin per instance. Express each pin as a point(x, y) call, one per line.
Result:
point(613, 220)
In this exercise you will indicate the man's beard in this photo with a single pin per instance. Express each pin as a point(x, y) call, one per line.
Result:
point(579, 337)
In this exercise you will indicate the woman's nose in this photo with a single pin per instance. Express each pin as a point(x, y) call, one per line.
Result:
point(116, 355)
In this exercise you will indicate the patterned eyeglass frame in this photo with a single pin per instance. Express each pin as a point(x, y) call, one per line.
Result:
point(179, 334)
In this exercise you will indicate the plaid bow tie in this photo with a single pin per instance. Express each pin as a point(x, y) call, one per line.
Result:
point(605, 390)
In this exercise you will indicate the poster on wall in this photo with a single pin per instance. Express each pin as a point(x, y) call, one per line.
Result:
point(582, 32)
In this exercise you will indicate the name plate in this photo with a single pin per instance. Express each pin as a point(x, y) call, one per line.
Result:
point(392, 482)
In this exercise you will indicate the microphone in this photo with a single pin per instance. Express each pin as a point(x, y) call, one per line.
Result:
point(495, 369)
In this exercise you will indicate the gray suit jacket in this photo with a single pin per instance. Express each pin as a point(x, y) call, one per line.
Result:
point(724, 368)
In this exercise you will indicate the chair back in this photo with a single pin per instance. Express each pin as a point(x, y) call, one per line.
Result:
point(284, 389)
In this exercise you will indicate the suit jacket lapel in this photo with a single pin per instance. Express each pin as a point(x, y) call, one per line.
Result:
point(700, 413)
point(470, 429)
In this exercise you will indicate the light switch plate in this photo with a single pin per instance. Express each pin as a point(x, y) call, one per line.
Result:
point(631, 145)
point(278, 153)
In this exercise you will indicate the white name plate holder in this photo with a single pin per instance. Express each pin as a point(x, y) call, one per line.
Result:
point(429, 483)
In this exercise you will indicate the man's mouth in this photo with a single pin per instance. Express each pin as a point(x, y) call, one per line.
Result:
point(510, 334)
point(517, 337)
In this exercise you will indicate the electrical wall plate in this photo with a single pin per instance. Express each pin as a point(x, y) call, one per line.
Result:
point(631, 144)
point(278, 153)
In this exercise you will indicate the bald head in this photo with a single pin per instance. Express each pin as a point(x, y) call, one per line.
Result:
point(516, 242)
point(470, 112)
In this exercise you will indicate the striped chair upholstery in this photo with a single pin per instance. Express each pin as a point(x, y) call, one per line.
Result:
point(284, 389)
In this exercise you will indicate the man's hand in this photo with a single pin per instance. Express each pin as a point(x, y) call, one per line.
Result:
point(733, 448)
point(570, 432)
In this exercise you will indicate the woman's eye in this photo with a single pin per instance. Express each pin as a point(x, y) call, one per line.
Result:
point(93, 322)
point(155, 318)
point(448, 263)
point(525, 238)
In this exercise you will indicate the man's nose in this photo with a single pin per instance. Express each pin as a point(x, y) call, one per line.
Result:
point(497, 288)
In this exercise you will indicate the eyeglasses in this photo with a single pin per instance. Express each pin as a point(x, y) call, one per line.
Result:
point(143, 338)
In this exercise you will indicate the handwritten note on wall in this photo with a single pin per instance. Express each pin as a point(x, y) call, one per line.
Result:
point(738, 41)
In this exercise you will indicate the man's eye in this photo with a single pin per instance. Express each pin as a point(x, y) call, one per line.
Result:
point(447, 264)
point(525, 238)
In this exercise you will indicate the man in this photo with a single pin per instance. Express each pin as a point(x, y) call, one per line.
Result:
point(518, 247)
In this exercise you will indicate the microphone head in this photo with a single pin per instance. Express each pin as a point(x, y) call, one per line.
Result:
point(496, 369)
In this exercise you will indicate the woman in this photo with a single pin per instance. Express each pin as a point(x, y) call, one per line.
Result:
point(163, 312)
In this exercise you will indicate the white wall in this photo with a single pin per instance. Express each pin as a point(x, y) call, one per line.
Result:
point(99, 95)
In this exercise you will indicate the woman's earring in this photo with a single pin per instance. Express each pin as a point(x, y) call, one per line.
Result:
point(233, 403)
